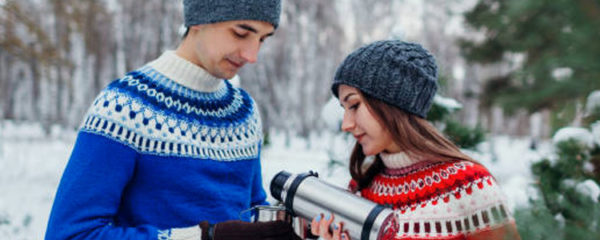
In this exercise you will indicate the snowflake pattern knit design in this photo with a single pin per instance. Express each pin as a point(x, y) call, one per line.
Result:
point(160, 150)
point(438, 200)
point(220, 125)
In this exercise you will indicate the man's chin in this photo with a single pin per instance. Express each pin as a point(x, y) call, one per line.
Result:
point(229, 75)
point(225, 74)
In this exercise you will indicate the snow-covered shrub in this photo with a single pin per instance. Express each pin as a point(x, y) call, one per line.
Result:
point(440, 115)
point(569, 189)
point(441, 108)
point(595, 128)
point(464, 136)
point(589, 188)
point(592, 106)
point(580, 136)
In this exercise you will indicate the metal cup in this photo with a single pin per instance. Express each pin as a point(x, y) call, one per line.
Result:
point(266, 213)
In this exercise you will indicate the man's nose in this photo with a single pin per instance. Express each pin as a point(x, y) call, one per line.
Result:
point(250, 52)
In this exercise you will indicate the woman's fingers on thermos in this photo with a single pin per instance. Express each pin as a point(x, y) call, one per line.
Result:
point(324, 226)
point(329, 219)
point(314, 225)
point(337, 229)
point(345, 235)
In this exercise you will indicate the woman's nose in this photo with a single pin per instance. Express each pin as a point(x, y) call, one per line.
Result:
point(347, 123)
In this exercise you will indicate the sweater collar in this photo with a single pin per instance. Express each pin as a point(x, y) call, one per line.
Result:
point(397, 160)
point(186, 73)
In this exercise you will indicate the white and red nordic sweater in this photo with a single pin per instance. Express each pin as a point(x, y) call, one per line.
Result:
point(440, 200)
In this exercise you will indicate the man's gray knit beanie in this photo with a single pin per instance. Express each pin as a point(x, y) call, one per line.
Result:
point(399, 73)
point(212, 11)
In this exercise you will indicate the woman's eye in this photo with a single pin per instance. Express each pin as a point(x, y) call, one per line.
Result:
point(354, 106)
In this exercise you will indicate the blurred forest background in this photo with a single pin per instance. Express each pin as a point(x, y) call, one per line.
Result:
point(520, 68)
point(524, 70)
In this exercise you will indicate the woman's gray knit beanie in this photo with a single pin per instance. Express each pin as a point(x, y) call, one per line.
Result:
point(399, 73)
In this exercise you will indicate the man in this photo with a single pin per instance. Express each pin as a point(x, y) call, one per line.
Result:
point(172, 144)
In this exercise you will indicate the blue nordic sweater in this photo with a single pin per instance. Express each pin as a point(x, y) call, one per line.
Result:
point(159, 151)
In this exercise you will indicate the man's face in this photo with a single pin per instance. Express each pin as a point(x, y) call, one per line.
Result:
point(223, 48)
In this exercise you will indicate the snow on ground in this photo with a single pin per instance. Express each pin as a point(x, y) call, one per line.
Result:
point(30, 168)
point(300, 156)
point(32, 162)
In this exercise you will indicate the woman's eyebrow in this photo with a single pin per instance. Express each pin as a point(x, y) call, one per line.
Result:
point(347, 96)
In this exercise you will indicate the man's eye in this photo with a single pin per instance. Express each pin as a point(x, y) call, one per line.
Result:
point(239, 35)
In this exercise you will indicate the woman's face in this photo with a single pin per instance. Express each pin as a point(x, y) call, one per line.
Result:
point(358, 120)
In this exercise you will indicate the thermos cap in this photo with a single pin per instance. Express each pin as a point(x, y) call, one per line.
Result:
point(277, 184)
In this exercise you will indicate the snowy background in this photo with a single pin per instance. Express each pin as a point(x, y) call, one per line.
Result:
point(55, 56)
point(32, 162)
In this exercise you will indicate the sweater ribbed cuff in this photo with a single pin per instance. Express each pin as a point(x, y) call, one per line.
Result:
point(188, 233)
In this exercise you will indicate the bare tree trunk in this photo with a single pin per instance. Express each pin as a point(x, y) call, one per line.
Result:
point(161, 30)
point(3, 84)
point(8, 90)
point(492, 136)
point(35, 86)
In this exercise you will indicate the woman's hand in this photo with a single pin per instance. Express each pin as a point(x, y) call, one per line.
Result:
point(322, 226)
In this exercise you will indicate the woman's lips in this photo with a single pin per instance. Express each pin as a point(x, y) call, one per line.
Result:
point(359, 137)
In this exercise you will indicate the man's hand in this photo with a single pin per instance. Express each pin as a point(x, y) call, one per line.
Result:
point(232, 230)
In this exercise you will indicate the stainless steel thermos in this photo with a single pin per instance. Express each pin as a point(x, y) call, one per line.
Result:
point(307, 196)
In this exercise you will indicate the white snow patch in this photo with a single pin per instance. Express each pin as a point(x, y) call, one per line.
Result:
point(588, 167)
point(31, 165)
point(13, 130)
point(560, 219)
point(569, 183)
point(458, 72)
point(589, 188)
point(447, 103)
point(562, 73)
point(580, 135)
point(512, 168)
point(595, 127)
point(333, 114)
point(593, 103)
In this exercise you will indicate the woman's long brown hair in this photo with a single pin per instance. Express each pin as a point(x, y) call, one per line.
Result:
point(414, 135)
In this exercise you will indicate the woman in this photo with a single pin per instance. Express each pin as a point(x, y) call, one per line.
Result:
point(437, 192)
